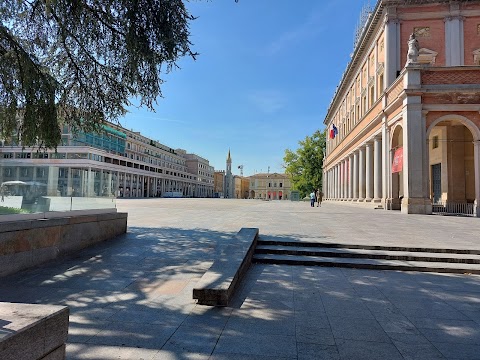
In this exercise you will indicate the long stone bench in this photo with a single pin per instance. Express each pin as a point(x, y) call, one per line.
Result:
point(33, 332)
point(218, 284)
point(28, 243)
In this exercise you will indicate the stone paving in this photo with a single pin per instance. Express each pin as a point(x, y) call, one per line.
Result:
point(131, 297)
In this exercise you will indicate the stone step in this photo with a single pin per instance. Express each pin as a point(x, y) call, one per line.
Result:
point(373, 264)
point(368, 254)
point(300, 243)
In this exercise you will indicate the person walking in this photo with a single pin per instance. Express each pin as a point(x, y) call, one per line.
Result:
point(319, 196)
point(312, 198)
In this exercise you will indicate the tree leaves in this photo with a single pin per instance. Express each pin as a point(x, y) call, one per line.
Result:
point(305, 164)
point(80, 61)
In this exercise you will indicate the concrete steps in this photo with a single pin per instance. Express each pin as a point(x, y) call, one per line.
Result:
point(367, 256)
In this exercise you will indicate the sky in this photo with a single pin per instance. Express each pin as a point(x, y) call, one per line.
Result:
point(263, 81)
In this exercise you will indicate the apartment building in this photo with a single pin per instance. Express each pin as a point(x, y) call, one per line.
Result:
point(114, 162)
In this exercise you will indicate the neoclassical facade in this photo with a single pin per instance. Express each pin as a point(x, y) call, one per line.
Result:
point(270, 186)
point(407, 111)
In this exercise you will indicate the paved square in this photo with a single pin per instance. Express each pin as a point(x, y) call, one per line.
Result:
point(131, 297)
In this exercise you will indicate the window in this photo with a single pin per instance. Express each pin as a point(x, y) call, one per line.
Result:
point(269, 184)
point(281, 184)
point(435, 142)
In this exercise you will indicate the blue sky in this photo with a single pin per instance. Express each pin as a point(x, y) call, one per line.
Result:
point(264, 78)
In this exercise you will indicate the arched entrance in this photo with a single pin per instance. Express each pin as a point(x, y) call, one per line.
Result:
point(252, 194)
point(451, 160)
point(396, 153)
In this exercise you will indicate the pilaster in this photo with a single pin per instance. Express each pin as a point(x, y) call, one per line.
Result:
point(415, 200)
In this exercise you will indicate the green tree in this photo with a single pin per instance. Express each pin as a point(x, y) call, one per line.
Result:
point(81, 61)
point(306, 163)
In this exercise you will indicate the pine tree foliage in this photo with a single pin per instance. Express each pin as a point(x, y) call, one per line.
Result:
point(305, 165)
point(80, 61)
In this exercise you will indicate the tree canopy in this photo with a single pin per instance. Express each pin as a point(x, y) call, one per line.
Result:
point(306, 163)
point(80, 61)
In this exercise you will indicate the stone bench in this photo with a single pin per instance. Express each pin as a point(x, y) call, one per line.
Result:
point(30, 242)
point(33, 332)
point(217, 285)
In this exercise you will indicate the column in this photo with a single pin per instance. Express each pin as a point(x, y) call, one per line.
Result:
point(125, 184)
point(90, 183)
point(69, 181)
point(332, 194)
point(336, 182)
point(369, 173)
point(109, 185)
point(392, 47)
point(339, 180)
point(102, 183)
point(335, 178)
point(377, 169)
point(386, 170)
point(52, 184)
point(361, 174)
point(148, 186)
point(476, 159)
point(345, 179)
point(355, 176)
point(341, 168)
point(350, 177)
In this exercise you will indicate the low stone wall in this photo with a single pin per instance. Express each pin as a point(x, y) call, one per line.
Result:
point(27, 243)
point(218, 284)
point(33, 332)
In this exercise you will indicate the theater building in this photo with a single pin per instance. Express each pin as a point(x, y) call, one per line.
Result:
point(404, 123)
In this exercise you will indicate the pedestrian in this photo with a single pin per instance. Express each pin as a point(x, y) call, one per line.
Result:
point(319, 196)
point(312, 198)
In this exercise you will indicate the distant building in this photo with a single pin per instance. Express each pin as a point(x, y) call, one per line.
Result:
point(115, 162)
point(242, 185)
point(270, 186)
point(219, 179)
point(203, 171)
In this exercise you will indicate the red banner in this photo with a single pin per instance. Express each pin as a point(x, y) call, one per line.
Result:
point(397, 164)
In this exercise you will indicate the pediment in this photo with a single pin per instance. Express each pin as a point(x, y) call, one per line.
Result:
point(476, 56)
point(427, 56)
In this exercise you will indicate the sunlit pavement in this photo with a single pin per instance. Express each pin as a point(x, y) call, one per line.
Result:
point(131, 297)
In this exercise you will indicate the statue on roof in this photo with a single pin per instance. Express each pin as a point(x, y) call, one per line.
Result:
point(413, 49)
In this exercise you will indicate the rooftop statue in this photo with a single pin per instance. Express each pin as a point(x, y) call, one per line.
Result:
point(413, 50)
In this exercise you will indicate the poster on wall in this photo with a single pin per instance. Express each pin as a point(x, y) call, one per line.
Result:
point(397, 164)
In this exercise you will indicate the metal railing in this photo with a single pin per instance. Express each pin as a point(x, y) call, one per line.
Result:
point(453, 208)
